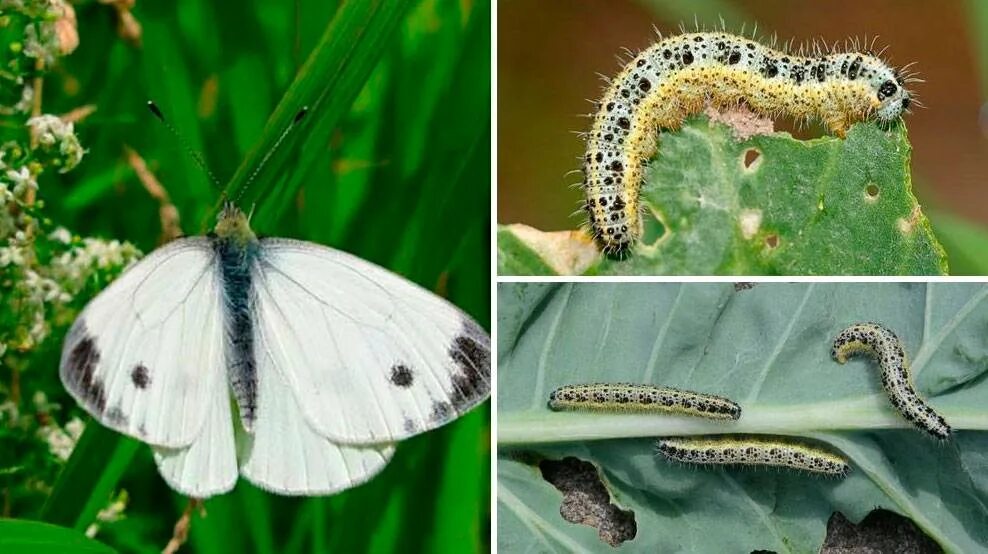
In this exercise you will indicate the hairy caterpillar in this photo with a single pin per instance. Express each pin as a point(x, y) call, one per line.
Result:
point(677, 76)
point(626, 397)
point(752, 451)
point(884, 347)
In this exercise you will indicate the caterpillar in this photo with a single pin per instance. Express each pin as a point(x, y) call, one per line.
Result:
point(884, 347)
point(745, 450)
point(626, 397)
point(677, 76)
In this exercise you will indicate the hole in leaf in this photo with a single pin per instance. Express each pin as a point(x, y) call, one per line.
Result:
point(752, 157)
point(587, 501)
point(879, 531)
point(872, 191)
point(772, 241)
point(652, 228)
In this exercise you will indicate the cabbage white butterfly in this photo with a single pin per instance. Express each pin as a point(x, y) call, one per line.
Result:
point(329, 360)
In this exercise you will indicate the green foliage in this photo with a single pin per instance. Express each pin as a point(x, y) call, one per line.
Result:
point(966, 243)
point(33, 537)
point(766, 346)
point(391, 163)
point(773, 205)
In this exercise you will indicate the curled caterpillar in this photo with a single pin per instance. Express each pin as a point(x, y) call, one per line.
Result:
point(884, 347)
point(677, 76)
point(753, 451)
point(626, 397)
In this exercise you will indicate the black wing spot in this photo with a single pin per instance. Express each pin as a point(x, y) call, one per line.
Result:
point(81, 366)
point(472, 356)
point(116, 416)
point(401, 376)
point(441, 411)
point(140, 376)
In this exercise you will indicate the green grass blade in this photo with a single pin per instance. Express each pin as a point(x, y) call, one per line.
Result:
point(34, 537)
point(327, 84)
point(89, 477)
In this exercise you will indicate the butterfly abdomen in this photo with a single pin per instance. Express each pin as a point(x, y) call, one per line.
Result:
point(235, 259)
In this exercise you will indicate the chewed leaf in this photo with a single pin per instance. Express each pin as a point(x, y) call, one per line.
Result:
point(769, 205)
point(814, 438)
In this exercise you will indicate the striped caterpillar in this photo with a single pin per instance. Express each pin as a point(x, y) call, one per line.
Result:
point(677, 76)
point(884, 347)
point(752, 451)
point(626, 397)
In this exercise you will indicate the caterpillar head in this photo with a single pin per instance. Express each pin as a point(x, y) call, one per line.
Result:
point(890, 90)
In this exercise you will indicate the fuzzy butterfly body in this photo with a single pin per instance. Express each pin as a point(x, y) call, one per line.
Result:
point(677, 76)
point(329, 360)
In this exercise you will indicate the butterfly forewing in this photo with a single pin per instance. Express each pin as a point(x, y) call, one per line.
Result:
point(368, 356)
point(145, 357)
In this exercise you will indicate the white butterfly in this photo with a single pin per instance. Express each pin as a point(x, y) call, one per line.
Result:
point(330, 360)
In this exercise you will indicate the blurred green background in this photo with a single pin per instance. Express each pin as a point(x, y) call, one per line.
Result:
point(551, 55)
point(392, 164)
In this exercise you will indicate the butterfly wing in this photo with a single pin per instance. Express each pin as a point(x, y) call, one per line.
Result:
point(286, 456)
point(368, 356)
point(208, 466)
point(145, 357)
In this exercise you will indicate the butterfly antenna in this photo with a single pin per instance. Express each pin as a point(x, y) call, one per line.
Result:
point(277, 144)
point(192, 152)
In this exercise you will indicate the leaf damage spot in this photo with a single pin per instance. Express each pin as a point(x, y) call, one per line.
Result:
point(586, 500)
point(566, 252)
point(743, 122)
point(879, 531)
point(772, 241)
point(752, 159)
point(750, 220)
point(906, 226)
point(871, 192)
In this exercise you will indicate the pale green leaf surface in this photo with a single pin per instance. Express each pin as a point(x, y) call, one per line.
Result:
point(768, 348)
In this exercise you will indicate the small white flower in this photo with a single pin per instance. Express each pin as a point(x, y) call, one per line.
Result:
point(22, 180)
point(55, 134)
point(40, 41)
point(61, 234)
point(60, 442)
point(11, 255)
point(75, 427)
point(113, 512)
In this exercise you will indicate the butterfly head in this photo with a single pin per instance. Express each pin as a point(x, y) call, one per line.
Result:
point(234, 224)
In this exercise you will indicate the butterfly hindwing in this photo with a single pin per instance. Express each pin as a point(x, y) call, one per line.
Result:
point(146, 355)
point(369, 357)
point(285, 455)
point(208, 466)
